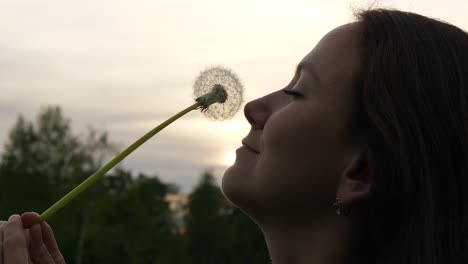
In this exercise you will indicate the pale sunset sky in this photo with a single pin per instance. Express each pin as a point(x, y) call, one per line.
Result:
point(125, 66)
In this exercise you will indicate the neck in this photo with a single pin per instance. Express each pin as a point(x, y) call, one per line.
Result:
point(322, 241)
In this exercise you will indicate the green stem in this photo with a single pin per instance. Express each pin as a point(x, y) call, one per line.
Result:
point(98, 174)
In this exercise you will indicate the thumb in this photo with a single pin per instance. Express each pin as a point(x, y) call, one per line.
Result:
point(28, 219)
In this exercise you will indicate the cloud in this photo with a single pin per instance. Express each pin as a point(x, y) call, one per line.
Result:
point(125, 66)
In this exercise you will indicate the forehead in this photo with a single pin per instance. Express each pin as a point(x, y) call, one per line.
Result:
point(336, 56)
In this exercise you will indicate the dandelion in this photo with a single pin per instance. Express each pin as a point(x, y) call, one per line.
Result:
point(218, 93)
point(220, 77)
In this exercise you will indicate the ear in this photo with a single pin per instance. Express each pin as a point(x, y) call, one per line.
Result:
point(355, 181)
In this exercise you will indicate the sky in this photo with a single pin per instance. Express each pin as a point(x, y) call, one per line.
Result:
point(125, 66)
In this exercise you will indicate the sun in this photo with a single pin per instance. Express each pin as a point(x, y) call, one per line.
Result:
point(229, 158)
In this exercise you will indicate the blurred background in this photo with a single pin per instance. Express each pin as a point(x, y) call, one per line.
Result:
point(81, 80)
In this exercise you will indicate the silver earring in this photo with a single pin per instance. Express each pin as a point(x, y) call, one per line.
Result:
point(340, 209)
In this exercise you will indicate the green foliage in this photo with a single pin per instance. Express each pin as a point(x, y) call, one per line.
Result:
point(218, 232)
point(123, 218)
point(204, 222)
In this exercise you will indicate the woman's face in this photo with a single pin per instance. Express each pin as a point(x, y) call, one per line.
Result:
point(293, 157)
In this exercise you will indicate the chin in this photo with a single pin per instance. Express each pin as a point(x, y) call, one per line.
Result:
point(236, 185)
point(241, 193)
point(230, 184)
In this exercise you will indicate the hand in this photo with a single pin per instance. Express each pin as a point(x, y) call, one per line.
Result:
point(19, 245)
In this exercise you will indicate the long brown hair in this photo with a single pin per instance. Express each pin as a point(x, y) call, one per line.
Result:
point(412, 109)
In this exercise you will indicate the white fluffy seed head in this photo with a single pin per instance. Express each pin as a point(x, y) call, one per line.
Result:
point(220, 92)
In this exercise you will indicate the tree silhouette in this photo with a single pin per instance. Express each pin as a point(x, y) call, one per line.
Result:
point(123, 218)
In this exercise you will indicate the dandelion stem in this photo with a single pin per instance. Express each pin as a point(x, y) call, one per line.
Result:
point(98, 174)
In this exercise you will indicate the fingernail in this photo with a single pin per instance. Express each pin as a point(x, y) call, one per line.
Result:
point(13, 217)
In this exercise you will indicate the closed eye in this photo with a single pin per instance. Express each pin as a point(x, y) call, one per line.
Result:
point(292, 93)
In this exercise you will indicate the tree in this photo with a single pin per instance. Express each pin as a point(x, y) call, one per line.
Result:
point(219, 232)
point(245, 243)
point(205, 228)
point(40, 159)
point(44, 160)
point(122, 218)
point(134, 226)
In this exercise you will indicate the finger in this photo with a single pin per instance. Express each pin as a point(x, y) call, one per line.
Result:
point(38, 250)
point(27, 236)
point(28, 219)
point(51, 243)
point(14, 242)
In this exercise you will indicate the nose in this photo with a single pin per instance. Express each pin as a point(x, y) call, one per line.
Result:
point(257, 112)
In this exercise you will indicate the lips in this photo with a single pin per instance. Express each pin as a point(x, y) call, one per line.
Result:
point(250, 147)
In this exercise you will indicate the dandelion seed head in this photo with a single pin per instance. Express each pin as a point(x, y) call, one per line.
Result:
point(226, 86)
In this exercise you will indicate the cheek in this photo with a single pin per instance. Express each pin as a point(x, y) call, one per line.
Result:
point(298, 150)
point(294, 134)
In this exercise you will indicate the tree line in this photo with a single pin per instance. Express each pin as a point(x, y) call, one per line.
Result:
point(122, 218)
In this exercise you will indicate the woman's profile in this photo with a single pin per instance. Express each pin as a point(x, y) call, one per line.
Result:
point(374, 122)
point(363, 156)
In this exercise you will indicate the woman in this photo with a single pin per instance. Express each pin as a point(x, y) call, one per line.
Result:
point(363, 157)
point(375, 121)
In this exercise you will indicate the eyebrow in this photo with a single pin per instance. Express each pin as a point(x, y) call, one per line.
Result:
point(304, 65)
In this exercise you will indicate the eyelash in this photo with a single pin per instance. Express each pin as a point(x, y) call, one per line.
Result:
point(292, 93)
